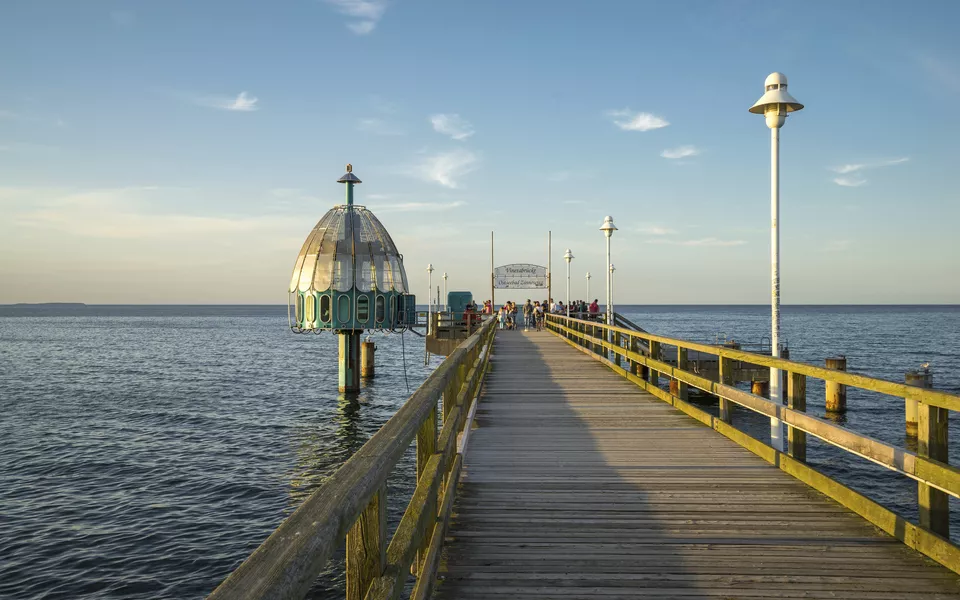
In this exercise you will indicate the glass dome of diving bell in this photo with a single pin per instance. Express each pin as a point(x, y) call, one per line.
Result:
point(349, 275)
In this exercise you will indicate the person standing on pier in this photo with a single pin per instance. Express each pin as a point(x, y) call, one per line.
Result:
point(527, 314)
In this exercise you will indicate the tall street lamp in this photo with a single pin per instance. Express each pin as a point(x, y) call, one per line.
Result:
point(608, 228)
point(774, 105)
point(588, 287)
point(444, 290)
point(429, 296)
point(568, 256)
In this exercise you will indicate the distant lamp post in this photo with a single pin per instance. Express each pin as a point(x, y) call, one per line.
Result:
point(444, 290)
point(568, 256)
point(774, 105)
point(588, 287)
point(429, 297)
point(608, 228)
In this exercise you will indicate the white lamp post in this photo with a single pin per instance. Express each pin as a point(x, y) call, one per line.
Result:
point(775, 103)
point(612, 269)
point(588, 287)
point(608, 228)
point(444, 290)
point(429, 296)
point(568, 256)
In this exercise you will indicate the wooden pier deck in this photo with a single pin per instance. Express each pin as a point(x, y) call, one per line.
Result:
point(577, 484)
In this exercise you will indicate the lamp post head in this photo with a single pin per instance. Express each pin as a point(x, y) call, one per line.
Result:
point(444, 275)
point(588, 275)
point(568, 256)
point(776, 101)
point(430, 268)
point(349, 177)
point(612, 268)
point(608, 227)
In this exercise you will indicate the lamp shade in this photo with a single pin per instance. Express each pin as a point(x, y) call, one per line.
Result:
point(776, 94)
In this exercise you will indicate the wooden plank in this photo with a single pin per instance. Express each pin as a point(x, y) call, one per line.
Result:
point(579, 484)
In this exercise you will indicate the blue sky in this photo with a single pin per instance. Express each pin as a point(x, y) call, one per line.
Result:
point(181, 151)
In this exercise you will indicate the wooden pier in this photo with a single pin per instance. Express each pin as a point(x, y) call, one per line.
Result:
point(564, 468)
point(577, 484)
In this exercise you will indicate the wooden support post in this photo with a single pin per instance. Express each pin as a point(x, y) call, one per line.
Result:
point(366, 546)
point(932, 442)
point(654, 376)
point(635, 348)
point(797, 400)
point(921, 379)
point(726, 378)
point(616, 342)
point(760, 388)
point(836, 400)
point(367, 350)
point(683, 392)
point(426, 446)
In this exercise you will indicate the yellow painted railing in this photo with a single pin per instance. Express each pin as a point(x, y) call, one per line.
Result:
point(637, 355)
point(351, 505)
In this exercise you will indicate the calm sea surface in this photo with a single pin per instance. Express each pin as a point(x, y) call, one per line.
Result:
point(148, 450)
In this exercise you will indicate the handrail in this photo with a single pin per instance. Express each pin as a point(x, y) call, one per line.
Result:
point(351, 504)
point(936, 479)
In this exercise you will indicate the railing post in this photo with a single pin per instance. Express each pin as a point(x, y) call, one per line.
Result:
point(366, 546)
point(921, 379)
point(932, 438)
point(426, 446)
point(654, 376)
point(616, 342)
point(797, 400)
point(726, 378)
point(836, 400)
point(683, 391)
point(635, 348)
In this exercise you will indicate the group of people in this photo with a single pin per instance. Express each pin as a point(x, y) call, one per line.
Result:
point(533, 313)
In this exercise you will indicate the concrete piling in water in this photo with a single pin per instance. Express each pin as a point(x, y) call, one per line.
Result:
point(367, 350)
point(836, 393)
point(920, 379)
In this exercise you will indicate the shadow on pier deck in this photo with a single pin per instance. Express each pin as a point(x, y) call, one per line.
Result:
point(577, 484)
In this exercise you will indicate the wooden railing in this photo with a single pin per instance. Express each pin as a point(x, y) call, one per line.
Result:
point(637, 355)
point(351, 505)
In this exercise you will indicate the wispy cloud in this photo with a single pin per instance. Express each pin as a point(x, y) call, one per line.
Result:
point(849, 181)
point(945, 75)
point(446, 168)
point(629, 120)
point(710, 241)
point(837, 246)
point(26, 148)
point(123, 213)
point(575, 202)
point(123, 18)
point(243, 102)
point(453, 125)
point(855, 171)
point(379, 127)
point(419, 206)
point(656, 230)
point(366, 12)
point(680, 152)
